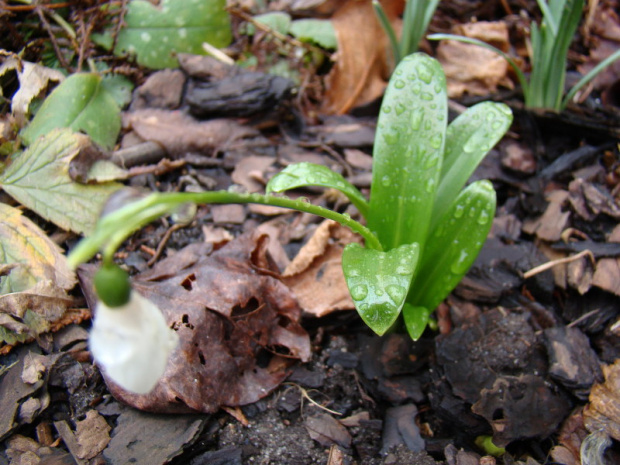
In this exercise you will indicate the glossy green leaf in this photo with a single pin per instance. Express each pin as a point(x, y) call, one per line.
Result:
point(379, 282)
point(156, 34)
point(38, 178)
point(416, 320)
point(468, 139)
point(310, 174)
point(408, 152)
point(454, 244)
point(81, 102)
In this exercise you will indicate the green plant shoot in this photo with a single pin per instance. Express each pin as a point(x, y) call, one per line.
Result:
point(416, 18)
point(549, 45)
point(424, 230)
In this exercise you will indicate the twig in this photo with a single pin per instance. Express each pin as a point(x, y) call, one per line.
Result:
point(163, 242)
point(545, 266)
point(48, 28)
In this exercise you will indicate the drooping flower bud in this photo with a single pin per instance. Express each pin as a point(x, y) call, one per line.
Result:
point(130, 340)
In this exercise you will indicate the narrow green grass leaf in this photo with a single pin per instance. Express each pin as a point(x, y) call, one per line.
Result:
point(408, 152)
point(310, 174)
point(379, 282)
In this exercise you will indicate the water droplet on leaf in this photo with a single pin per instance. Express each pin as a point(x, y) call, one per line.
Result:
point(359, 292)
point(396, 293)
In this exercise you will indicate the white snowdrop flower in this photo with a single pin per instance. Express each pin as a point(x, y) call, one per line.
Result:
point(132, 343)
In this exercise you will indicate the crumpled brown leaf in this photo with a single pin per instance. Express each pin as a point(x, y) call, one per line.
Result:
point(360, 73)
point(179, 133)
point(607, 273)
point(603, 411)
point(473, 69)
point(315, 274)
point(228, 310)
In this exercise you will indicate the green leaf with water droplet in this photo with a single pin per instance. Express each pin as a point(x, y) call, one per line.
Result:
point(408, 152)
point(454, 244)
point(416, 320)
point(379, 281)
point(83, 103)
point(156, 34)
point(310, 174)
point(468, 139)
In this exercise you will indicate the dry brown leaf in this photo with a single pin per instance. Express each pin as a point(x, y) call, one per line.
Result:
point(607, 274)
point(360, 73)
point(473, 69)
point(227, 308)
point(550, 225)
point(603, 411)
point(250, 172)
point(179, 133)
point(315, 274)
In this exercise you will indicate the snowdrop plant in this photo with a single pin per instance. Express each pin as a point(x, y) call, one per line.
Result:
point(129, 339)
point(423, 229)
point(549, 44)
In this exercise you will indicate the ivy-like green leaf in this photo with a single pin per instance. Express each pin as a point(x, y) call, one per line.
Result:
point(82, 103)
point(157, 34)
point(310, 174)
point(379, 282)
point(276, 20)
point(468, 139)
point(38, 178)
point(454, 244)
point(408, 152)
point(416, 320)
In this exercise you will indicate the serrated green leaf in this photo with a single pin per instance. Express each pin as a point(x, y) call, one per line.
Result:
point(468, 139)
point(39, 179)
point(81, 103)
point(379, 282)
point(310, 174)
point(37, 258)
point(318, 31)
point(408, 152)
point(157, 34)
point(416, 320)
point(454, 244)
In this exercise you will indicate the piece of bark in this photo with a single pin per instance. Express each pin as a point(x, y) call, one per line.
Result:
point(400, 428)
point(571, 360)
point(550, 225)
point(162, 89)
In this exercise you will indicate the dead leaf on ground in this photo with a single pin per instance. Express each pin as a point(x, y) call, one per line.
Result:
point(33, 79)
point(315, 274)
point(603, 411)
point(227, 309)
point(179, 133)
point(146, 439)
point(550, 225)
point(90, 438)
point(250, 172)
point(471, 69)
point(607, 274)
point(360, 73)
point(606, 40)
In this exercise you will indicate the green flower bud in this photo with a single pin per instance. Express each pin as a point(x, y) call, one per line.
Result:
point(112, 285)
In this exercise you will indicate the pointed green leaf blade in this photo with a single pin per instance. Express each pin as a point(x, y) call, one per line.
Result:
point(454, 244)
point(38, 178)
point(408, 152)
point(416, 320)
point(379, 282)
point(81, 102)
point(468, 139)
point(310, 174)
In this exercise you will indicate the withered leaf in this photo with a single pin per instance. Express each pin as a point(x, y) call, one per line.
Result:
point(227, 310)
point(603, 411)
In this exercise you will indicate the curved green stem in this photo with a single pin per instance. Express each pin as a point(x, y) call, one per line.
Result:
point(114, 228)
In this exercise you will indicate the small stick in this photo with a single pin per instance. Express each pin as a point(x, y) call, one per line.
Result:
point(545, 266)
